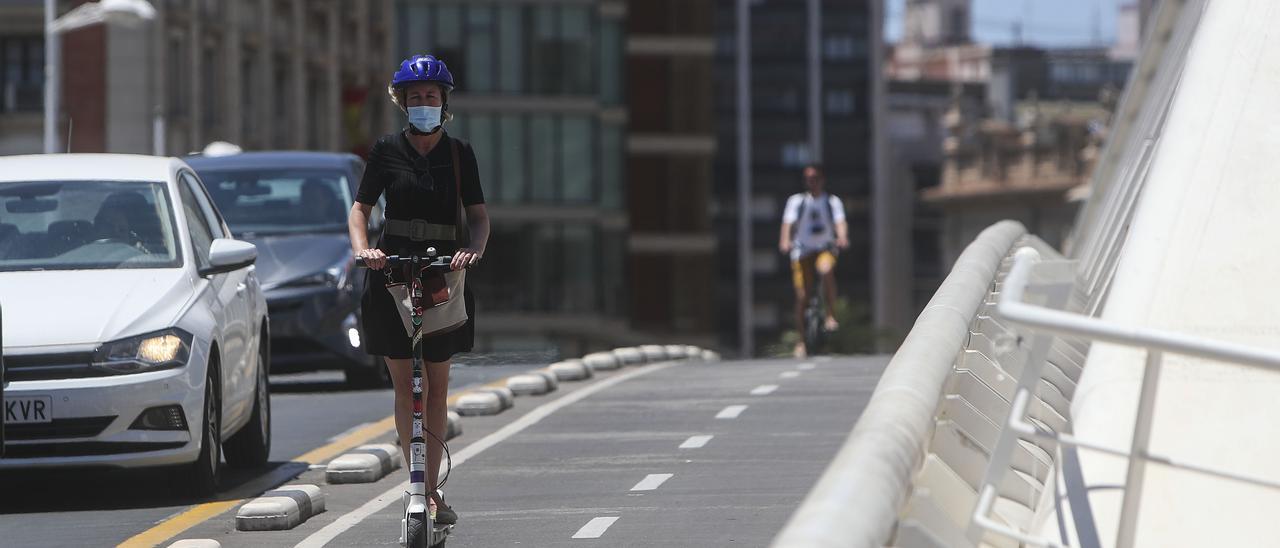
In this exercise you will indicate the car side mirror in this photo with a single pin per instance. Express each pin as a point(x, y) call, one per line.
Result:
point(227, 255)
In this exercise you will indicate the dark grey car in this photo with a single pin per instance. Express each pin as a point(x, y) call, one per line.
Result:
point(294, 207)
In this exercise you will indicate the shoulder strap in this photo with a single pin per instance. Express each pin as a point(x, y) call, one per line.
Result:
point(464, 239)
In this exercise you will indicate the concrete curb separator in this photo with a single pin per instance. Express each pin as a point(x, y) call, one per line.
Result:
point(654, 353)
point(552, 381)
point(364, 464)
point(505, 395)
point(479, 403)
point(625, 356)
point(529, 385)
point(455, 426)
point(571, 370)
point(280, 509)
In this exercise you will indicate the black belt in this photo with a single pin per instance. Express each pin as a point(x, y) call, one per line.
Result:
point(420, 230)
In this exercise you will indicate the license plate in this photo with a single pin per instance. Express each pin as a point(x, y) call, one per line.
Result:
point(28, 409)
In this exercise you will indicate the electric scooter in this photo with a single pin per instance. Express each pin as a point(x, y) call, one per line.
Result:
point(417, 529)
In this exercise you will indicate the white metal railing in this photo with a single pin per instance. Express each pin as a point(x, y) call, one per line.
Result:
point(1047, 322)
point(858, 499)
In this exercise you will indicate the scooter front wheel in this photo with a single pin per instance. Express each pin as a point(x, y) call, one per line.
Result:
point(417, 531)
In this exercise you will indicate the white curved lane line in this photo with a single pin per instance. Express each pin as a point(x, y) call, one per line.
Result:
point(354, 517)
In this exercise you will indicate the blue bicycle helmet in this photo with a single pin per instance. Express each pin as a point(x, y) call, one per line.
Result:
point(423, 68)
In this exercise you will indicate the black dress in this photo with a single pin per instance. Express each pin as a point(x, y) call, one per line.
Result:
point(417, 187)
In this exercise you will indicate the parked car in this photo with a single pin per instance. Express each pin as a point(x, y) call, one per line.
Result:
point(294, 206)
point(135, 327)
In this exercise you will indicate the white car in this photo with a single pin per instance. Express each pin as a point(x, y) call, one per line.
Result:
point(135, 330)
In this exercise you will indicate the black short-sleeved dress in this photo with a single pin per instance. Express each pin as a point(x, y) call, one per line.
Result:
point(417, 187)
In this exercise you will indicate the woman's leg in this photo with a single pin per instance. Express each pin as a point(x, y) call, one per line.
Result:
point(435, 416)
point(402, 383)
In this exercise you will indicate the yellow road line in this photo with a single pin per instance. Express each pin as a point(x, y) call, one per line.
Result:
point(174, 526)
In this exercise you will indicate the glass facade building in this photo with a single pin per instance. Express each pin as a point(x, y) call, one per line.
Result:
point(539, 97)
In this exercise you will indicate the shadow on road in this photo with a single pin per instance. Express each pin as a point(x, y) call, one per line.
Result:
point(71, 490)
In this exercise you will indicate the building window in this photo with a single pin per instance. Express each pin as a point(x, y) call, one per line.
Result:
point(839, 101)
point(611, 59)
point(577, 50)
point(542, 141)
point(480, 61)
point(21, 73)
point(513, 188)
point(511, 45)
point(577, 166)
point(838, 47)
point(795, 154)
point(611, 182)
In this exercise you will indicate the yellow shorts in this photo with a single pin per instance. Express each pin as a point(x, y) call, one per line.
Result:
point(803, 270)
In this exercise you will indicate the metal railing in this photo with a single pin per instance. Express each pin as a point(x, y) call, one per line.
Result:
point(1047, 322)
point(857, 500)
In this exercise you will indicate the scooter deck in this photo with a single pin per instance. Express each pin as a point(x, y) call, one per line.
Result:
point(439, 533)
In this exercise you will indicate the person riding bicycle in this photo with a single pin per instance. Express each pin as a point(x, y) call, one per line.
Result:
point(813, 230)
point(415, 169)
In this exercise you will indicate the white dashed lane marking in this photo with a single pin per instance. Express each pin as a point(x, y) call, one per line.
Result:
point(695, 442)
point(764, 390)
point(789, 374)
point(595, 527)
point(731, 412)
point(805, 366)
point(651, 482)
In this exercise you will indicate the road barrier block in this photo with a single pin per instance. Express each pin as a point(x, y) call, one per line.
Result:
point(627, 356)
point(552, 381)
point(654, 353)
point(455, 426)
point(618, 358)
point(364, 464)
point(280, 509)
point(528, 385)
point(574, 370)
point(478, 403)
point(505, 396)
point(676, 351)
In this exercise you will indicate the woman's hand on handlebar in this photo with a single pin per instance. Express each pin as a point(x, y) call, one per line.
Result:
point(373, 258)
point(464, 258)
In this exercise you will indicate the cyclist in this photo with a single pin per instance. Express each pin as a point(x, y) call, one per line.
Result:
point(416, 171)
point(813, 230)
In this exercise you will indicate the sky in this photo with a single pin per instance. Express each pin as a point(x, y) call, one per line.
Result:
point(1044, 22)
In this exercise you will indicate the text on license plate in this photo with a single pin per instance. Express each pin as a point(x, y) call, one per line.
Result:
point(28, 409)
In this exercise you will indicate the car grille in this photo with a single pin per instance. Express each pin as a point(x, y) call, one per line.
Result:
point(84, 427)
point(41, 367)
point(81, 449)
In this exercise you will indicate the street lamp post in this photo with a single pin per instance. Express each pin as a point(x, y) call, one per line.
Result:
point(746, 300)
point(126, 12)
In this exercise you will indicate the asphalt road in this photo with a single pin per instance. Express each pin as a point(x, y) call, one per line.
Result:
point(603, 459)
point(105, 507)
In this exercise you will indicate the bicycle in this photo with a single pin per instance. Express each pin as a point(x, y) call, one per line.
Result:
point(815, 331)
point(417, 529)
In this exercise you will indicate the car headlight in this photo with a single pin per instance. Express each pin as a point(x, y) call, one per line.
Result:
point(166, 349)
point(337, 275)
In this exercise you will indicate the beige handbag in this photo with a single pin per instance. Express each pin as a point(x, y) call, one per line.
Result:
point(441, 294)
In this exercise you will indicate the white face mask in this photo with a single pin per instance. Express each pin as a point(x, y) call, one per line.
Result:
point(426, 119)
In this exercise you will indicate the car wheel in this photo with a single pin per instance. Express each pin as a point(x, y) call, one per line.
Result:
point(250, 447)
point(366, 376)
point(201, 476)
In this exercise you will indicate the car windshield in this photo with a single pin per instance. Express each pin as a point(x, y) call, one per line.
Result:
point(281, 201)
point(75, 225)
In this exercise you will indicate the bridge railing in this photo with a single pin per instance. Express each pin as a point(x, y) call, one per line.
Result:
point(860, 497)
